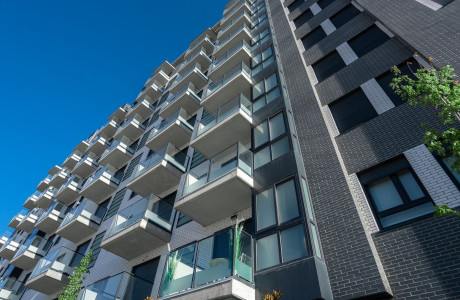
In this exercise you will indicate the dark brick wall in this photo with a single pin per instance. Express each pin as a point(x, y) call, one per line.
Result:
point(422, 259)
point(351, 265)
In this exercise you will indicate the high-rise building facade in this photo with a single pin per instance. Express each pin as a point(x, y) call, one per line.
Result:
point(271, 155)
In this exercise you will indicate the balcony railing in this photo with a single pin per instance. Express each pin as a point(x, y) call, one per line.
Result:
point(234, 20)
point(88, 210)
point(52, 218)
point(216, 258)
point(11, 288)
point(192, 47)
point(166, 123)
point(132, 121)
point(74, 181)
point(235, 71)
point(193, 56)
point(235, 157)
point(186, 89)
point(5, 237)
point(103, 172)
point(185, 74)
point(120, 286)
point(27, 224)
point(241, 45)
point(37, 246)
point(88, 158)
point(8, 250)
point(18, 218)
point(229, 15)
point(113, 146)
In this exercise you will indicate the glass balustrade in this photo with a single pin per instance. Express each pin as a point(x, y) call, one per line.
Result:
point(62, 260)
point(218, 257)
point(241, 45)
point(235, 71)
point(11, 288)
point(180, 94)
point(57, 209)
point(235, 104)
point(231, 35)
point(166, 123)
point(103, 172)
point(233, 21)
point(114, 145)
point(232, 12)
point(74, 182)
point(185, 74)
point(131, 121)
point(88, 210)
point(35, 244)
point(236, 156)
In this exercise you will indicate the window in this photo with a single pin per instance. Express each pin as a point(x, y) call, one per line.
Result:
point(262, 60)
point(313, 37)
point(345, 15)
point(446, 164)
point(291, 241)
point(351, 110)
point(395, 193)
point(368, 40)
point(328, 65)
point(116, 202)
point(385, 79)
point(258, 21)
point(182, 219)
point(269, 130)
point(79, 254)
point(303, 18)
point(324, 3)
point(260, 38)
point(271, 152)
point(134, 162)
point(265, 91)
point(276, 205)
point(96, 248)
point(295, 4)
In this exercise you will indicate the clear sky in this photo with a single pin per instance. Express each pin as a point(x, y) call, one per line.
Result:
point(65, 66)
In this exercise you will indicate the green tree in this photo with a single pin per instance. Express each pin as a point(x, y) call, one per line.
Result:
point(440, 89)
point(71, 291)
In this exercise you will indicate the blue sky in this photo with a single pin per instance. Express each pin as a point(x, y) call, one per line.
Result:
point(65, 66)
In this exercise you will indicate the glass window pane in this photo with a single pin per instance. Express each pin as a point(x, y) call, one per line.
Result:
point(260, 134)
point(265, 209)
point(410, 185)
point(280, 147)
point(293, 244)
point(449, 164)
point(307, 199)
point(267, 53)
point(408, 214)
point(261, 157)
point(286, 199)
point(267, 252)
point(258, 89)
point(277, 126)
point(315, 240)
point(258, 104)
point(256, 59)
point(271, 82)
point(178, 270)
point(256, 71)
point(384, 194)
point(273, 95)
point(268, 62)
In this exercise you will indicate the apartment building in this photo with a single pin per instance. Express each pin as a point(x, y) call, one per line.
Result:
point(271, 155)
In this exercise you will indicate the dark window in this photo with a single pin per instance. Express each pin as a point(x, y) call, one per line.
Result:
point(351, 110)
point(385, 79)
point(119, 173)
point(345, 15)
point(96, 248)
point(328, 65)
point(143, 140)
point(395, 193)
point(134, 162)
point(368, 40)
point(144, 275)
point(324, 3)
point(197, 158)
point(116, 202)
point(182, 219)
point(446, 164)
point(313, 37)
point(303, 18)
point(154, 118)
point(295, 4)
point(79, 254)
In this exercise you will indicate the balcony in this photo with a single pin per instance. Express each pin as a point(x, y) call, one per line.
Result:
point(30, 202)
point(28, 223)
point(205, 40)
point(54, 170)
point(4, 238)
point(224, 127)
point(240, 53)
point(108, 130)
point(120, 113)
point(200, 57)
point(185, 98)
point(219, 267)
point(140, 228)
point(118, 154)
point(161, 74)
point(120, 286)
point(236, 81)
point(193, 75)
point(141, 108)
point(153, 91)
point(228, 41)
point(175, 130)
point(160, 172)
point(82, 147)
point(31, 252)
point(46, 198)
point(9, 249)
point(71, 161)
point(60, 178)
point(132, 129)
point(99, 145)
point(49, 221)
point(242, 17)
point(52, 272)
point(17, 219)
point(70, 192)
point(11, 288)
point(100, 185)
point(44, 184)
point(218, 188)
point(82, 221)
point(86, 166)
point(238, 9)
